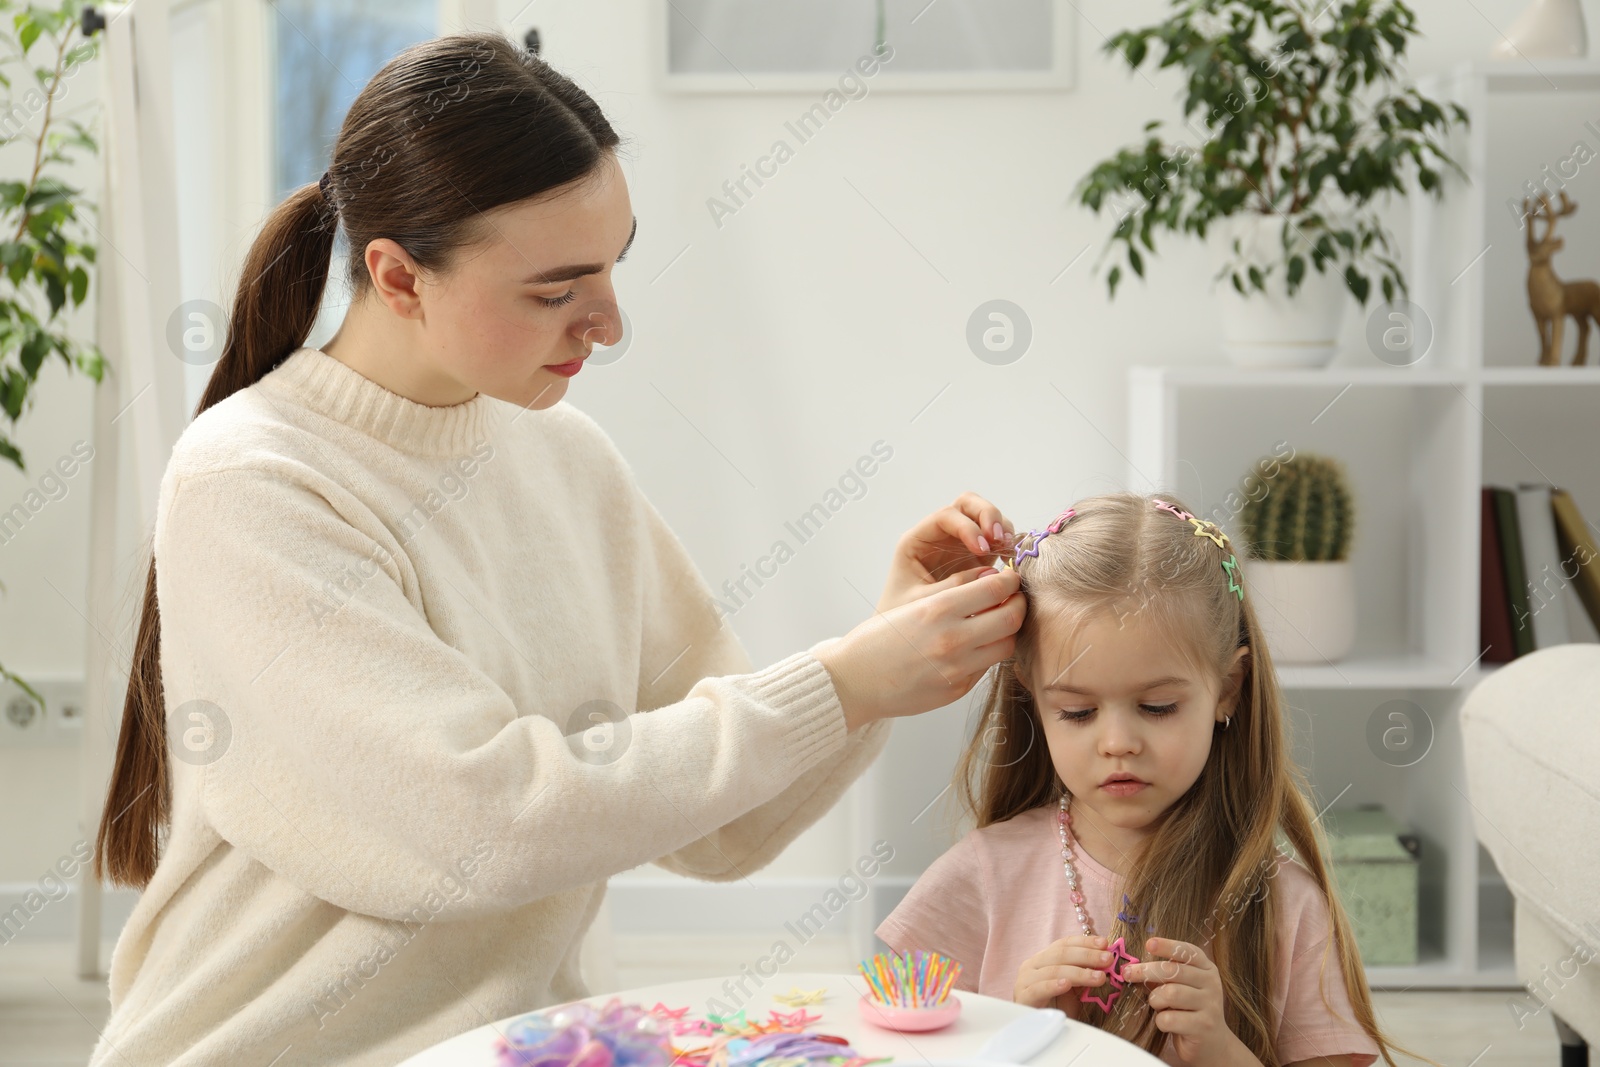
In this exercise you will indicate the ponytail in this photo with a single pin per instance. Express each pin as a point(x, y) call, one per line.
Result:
point(274, 309)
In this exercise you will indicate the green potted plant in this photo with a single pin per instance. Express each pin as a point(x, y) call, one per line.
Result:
point(1298, 537)
point(1295, 121)
point(46, 250)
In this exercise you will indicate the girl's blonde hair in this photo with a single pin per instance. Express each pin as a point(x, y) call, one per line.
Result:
point(1203, 872)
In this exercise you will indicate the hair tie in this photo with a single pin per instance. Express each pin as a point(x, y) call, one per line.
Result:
point(327, 180)
point(1207, 528)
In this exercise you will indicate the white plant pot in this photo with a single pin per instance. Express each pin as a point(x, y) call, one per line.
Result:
point(1272, 328)
point(1549, 29)
point(1307, 609)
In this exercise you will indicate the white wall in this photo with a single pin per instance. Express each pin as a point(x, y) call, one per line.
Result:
point(779, 347)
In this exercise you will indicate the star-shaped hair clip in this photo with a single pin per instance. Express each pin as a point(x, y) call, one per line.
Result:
point(797, 998)
point(1202, 527)
point(1119, 959)
point(1231, 565)
point(1207, 528)
point(1035, 536)
point(695, 1028)
point(732, 1023)
point(661, 1011)
point(758, 1028)
point(1127, 916)
point(796, 1019)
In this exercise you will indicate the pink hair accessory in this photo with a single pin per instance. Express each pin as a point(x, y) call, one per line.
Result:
point(1207, 528)
point(661, 1011)
point(1202, 527)
point(1039, 535)
point(1119, 959)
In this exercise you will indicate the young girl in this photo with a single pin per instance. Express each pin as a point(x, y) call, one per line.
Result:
point(1132, 775)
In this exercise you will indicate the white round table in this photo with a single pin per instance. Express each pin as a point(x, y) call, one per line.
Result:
point(980, 1017)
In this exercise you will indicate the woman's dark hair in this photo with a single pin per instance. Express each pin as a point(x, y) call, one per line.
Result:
point(447, 130)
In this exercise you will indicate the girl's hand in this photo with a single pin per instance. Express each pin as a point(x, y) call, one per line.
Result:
point(1052, 978)
point(944, 549)
point(1186, 995)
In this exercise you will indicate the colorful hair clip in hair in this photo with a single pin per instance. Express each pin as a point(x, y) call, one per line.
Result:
point(1207, 528)
point(1033, 537)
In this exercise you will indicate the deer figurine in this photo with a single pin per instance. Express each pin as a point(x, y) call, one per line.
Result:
point(1550, 298)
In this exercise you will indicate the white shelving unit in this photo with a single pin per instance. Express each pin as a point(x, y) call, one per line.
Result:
point(1419, 442)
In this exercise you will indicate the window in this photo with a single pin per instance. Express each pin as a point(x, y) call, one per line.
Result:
point(325, 53)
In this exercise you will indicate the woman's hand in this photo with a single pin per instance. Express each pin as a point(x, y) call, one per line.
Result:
point(925, 654)
point(934, 554)
point(1052, 977)
point(1186, 996)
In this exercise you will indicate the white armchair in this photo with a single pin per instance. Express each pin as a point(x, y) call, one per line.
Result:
point(1531, 734)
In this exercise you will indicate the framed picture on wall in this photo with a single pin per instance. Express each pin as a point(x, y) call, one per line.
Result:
point(742, 46)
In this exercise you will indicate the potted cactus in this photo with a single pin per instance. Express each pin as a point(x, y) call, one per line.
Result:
point(1298, 538)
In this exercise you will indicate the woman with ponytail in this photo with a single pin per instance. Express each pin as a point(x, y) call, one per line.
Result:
point(385, 734)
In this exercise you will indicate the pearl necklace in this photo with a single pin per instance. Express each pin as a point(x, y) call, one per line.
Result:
point(1064, 820)
point(1119, 951)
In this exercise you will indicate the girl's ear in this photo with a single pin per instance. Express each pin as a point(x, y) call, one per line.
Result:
point(1233, 684)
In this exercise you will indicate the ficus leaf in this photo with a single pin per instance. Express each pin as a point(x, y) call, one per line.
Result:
point(1335, 112)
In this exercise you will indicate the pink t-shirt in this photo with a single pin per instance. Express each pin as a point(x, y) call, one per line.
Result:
point(1000, 896)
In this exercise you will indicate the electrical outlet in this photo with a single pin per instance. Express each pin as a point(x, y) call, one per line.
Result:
point(22, 712)
point(58, 724)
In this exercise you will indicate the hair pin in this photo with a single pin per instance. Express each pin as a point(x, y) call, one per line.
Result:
point(1207, 528)
point(1039, 535)
point(1202, 528)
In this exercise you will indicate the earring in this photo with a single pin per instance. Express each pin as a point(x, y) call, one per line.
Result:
point(1227, 721)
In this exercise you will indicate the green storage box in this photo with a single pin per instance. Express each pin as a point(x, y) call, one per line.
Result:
point(1375, 868)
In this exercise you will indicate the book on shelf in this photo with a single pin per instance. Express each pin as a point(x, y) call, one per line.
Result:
point(1494, 607)
point(1535, 548)
point(1515, 589)
point(1542, 565)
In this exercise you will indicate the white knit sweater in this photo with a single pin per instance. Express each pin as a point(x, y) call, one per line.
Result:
point(402, 647)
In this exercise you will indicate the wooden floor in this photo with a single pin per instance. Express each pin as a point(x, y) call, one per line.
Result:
point(49, 1018)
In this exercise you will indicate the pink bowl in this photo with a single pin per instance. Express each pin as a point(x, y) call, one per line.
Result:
point(890, 1017)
